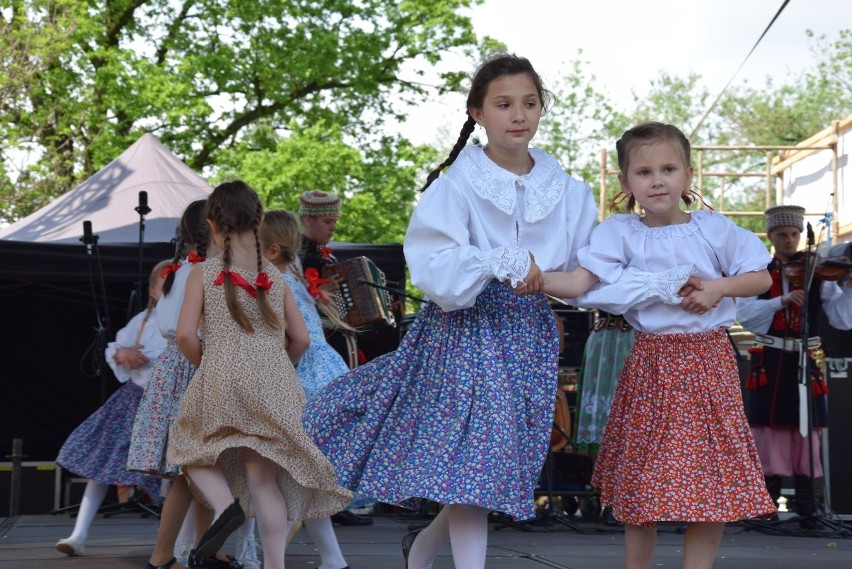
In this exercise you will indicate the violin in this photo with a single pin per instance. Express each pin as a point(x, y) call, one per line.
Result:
point(829, 269)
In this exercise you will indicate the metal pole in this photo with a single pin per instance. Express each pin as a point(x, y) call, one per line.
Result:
point(15, 495)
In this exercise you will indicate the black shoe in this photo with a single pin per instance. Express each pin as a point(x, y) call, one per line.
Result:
point(212, 562)
point(347, 518)
point(215, 536)
point(407, 542)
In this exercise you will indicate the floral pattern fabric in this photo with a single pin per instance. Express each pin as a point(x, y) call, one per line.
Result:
point(677, 446)
point(97, 449)
point(169, 377)
point(461, 412)
point(321, 363)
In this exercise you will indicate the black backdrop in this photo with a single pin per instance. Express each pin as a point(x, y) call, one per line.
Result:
point(49, 321)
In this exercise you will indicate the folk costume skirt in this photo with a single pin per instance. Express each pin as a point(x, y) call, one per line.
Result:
point(160, 403)
point(98, 448)
point(461, 412)
point(677, 446)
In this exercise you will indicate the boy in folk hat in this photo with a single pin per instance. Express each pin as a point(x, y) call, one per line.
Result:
point(319, 212)
point(773, 403)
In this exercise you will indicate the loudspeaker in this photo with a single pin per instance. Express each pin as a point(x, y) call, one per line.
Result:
point(837, 345)
point(577, 325)
point(39, 484)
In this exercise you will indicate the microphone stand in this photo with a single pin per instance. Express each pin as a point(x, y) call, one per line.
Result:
point(135, 303)
point(97, 349)
point(814, 518)
point(96, 352)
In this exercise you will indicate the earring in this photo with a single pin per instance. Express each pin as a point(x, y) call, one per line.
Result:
point(689, 192)
point(618, 199)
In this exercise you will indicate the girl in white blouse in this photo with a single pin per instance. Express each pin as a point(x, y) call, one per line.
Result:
point(677, 446)
point(461, 413)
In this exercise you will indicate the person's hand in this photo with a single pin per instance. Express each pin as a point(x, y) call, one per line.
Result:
point(692, 283)
point(533, 282)
point(794, 297)
point(131, 358)
point(700, 301)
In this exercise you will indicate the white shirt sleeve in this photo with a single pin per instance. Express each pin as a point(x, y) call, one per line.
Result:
point(756, 314)
point(636, 289)
point(837, 303)
point(441, 259)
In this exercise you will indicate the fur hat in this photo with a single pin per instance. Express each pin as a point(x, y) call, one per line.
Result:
point(319, 203)
point(785, 216)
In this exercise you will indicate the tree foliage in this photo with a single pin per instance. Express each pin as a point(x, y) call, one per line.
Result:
point(82, 81)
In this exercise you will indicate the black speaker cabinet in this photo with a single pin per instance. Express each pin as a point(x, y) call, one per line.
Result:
point(837, 345)
point(577, 324)
point(39, 485)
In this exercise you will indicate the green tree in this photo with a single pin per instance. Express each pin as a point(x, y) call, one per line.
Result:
point(81, 81)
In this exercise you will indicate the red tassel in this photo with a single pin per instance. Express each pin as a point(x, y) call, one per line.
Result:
point(763, 381)
point(818, 387)
point(751, 382)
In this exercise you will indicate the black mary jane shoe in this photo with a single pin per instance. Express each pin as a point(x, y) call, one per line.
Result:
point(215, 536)
point(212, 562)
point(167, 565)
point(407, 542)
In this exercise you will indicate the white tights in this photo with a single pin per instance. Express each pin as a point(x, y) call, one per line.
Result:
point(465, 527)
point(93, 497)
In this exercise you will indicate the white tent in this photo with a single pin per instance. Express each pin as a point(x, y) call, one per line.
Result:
point(108, 199)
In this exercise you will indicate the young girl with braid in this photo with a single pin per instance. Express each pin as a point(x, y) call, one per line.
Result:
point(238, 435)
point(280, 236)
point(98, 448)
point(461, 413)
point(170, 375)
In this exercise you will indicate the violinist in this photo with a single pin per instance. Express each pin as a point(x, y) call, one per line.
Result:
point(774, 317)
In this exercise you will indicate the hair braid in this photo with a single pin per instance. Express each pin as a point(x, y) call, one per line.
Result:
point(465, 133)
point(170, 278)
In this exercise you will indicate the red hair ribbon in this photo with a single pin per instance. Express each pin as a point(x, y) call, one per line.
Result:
point(326, 252)
point(237, 279)
point(262, 281)
point(312, 277)
point(195, 258)
point(169, 269)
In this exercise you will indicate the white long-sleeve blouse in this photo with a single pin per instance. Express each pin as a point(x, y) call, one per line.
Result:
point(709, 246)
point(479, 222)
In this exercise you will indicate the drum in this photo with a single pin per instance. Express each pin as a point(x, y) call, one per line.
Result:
point(359, 301)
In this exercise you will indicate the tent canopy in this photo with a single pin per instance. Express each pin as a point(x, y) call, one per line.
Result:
point(109, 197)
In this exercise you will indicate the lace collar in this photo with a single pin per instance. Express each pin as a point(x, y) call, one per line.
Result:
point(542, 186)
point(677, 230)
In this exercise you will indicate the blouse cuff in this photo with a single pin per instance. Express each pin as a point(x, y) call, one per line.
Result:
point(667, 284)
point(507, 263)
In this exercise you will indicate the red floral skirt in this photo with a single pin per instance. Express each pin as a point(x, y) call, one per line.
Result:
point(677, 445)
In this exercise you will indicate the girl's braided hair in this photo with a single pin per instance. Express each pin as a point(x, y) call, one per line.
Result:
point(499, 65)
point(235, 208)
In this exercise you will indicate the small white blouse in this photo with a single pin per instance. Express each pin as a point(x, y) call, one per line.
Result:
point(168, 307)
point(478, 222)
point(641, 268)
point(152, 345)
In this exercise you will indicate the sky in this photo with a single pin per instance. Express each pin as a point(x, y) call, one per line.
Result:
point(628, 42)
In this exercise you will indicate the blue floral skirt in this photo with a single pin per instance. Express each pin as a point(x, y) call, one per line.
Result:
point(97, 449)
point(461, 412)
point(169, 377)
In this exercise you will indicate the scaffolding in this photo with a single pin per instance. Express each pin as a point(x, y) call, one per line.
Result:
point(777, 161)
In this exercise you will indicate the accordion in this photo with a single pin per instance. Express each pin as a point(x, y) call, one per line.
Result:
point(361, 305)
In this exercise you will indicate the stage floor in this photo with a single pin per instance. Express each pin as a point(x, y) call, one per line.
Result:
point(125, 542)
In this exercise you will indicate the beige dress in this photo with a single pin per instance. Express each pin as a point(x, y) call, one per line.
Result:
point(246, 394)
